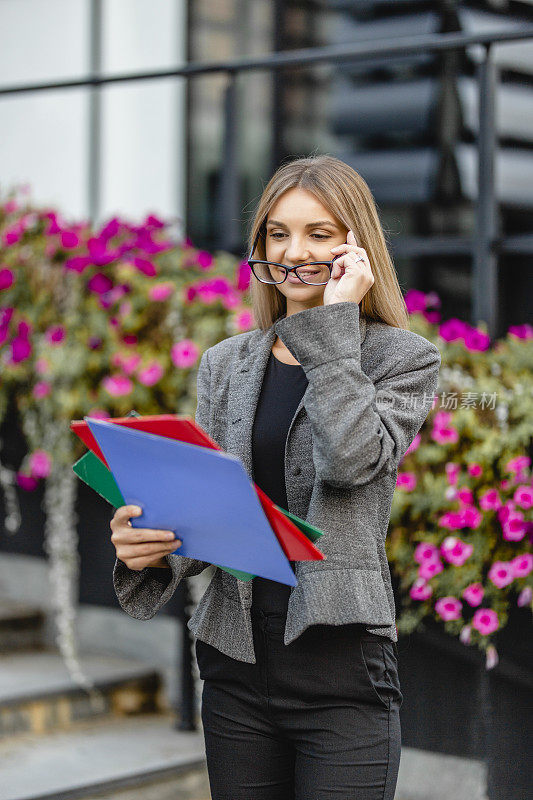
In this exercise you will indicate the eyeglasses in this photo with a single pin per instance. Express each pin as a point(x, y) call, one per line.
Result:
point(314, 273)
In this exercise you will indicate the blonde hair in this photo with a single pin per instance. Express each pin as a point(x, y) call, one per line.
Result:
point(344, 192)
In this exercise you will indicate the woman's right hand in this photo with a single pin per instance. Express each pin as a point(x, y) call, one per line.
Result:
point(138, 548)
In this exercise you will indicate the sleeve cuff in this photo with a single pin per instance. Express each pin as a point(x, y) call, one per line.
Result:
point(321, 334)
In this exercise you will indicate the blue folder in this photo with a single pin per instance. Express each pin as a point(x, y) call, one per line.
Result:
point(204, 495)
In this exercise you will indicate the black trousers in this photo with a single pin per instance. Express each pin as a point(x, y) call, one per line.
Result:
point(315, 719)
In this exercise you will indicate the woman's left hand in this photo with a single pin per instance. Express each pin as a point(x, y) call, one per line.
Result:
point(351, 275)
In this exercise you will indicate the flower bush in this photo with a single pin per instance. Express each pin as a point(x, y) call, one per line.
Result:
point(97, 323)
point(461, 528)
point(100, 322)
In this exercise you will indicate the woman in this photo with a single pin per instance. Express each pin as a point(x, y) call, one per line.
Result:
point(301, 695)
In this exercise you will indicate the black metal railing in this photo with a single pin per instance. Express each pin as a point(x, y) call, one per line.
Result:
point(484, 246)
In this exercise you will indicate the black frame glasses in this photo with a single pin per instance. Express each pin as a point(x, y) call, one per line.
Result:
point(252, 262)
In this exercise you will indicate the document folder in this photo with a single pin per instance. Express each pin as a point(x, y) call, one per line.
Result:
point(91, 470)
point(202, 494)
point(292, 533)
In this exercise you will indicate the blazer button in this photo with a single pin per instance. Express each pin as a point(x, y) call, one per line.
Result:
point(297, 471)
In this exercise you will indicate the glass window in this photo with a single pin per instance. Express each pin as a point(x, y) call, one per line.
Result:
point(43, 41)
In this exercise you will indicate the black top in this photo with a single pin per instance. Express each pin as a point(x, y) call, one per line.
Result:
point(281, 392)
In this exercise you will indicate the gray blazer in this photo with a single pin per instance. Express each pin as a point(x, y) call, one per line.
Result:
point(371, 386)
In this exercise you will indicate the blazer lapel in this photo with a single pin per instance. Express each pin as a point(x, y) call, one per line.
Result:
point(244, 389)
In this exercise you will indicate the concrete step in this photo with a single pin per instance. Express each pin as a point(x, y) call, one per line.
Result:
point(21, 626)
point(37, 694)
point(138, 757)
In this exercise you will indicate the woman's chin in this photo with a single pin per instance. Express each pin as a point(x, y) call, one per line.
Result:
point(305, 294)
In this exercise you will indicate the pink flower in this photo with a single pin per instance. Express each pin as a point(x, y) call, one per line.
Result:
point(522, 565)
point(24, 329)
point(244, 274)
point(184, 353)
point(474, 470)
point(77, 263)
point(13, 234)
point(485, 620)
point(128, 363)
point(444, 435)
point(413, 446)
point(117, 385)
point(110, 230)
point(518, 464)
point(472, 517)
point(525, 597)
point(41, 389)
point(428, 569)
point(521, 331)
point(100, 283)
point(490, 500)
point(69, 240)
point(501, 574)
point(153, 221)
point(415, 300)
point(204, 259)
point(7, 279)
point(230, 299)
point(452, 469)
point(466, 517)
point(145, 266)
point(55, 334)
point(473, 594)
point(452, 330)
point(10, 206)
point(523, 496)
point(476, 341)
point(406, 481)
point(420, 590)
point(465, 496)
point(160, 291)
point(21, 349)
point(425, 551)
point(26, 482)
point(40, 464)
point(151, 374)
point(506, 510)
point(455, 551)
point(514, 528)
point(99, 253)
point(244, 320)
point(448, 608)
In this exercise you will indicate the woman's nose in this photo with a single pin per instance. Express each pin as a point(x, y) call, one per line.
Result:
point(296, 253)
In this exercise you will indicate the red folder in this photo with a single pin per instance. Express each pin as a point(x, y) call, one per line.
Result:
point(294, 543)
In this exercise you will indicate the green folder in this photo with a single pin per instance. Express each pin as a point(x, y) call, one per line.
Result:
point(95, 474)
